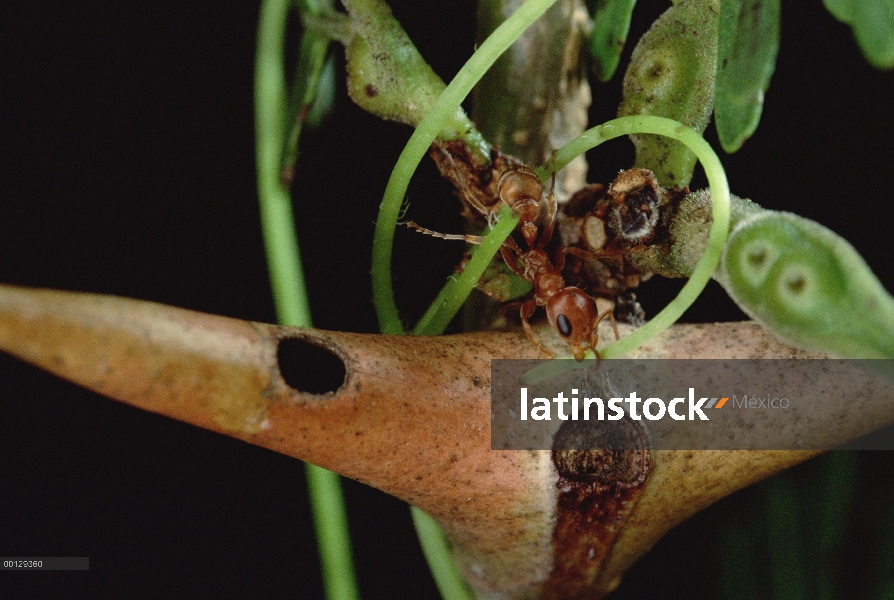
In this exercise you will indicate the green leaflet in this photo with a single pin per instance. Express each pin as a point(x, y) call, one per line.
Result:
point(671, 74)
point(323, 101)
point(312, 93)
point(746, 57)
point(501, 284)
point(388, 77)
point(611, 23)
point(808, 285)
point(873, 24)
point(843, 10)
point(874, 29)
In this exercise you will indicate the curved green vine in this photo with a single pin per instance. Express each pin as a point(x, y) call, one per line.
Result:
point(455, 291)
point(717, 235)
point(417, 146)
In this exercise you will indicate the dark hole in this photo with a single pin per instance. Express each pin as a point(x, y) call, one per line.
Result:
point(309, 368)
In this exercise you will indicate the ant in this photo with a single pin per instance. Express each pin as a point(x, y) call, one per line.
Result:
point(569, 310)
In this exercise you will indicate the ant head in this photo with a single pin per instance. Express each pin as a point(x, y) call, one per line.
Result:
point(573, 314)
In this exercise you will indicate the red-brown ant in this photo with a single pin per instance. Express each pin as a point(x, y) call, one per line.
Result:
point(570, 311)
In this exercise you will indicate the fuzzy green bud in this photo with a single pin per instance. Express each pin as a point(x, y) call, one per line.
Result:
point(671, 74)
point(808, 285)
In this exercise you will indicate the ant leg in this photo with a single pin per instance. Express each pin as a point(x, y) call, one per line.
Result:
point(509, 259)
point(526, 311)
point(470, 198)
point(610, 313)
point(506, 250)
point(547, 234)
point(594, 339)
point(559, 263)
point(590, 254)
point(471, 239)
point(580, 253)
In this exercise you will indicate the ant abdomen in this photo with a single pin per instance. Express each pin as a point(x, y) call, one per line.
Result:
point(522, 191)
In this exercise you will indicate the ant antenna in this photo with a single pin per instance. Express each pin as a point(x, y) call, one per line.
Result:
point(470, 198)
point(404, 207)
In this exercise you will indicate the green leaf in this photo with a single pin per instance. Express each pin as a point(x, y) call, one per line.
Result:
point(874, 29)
point(502, 285)
point(312, 54)
point(748, 44)
point(324, 100)
point(843, 10)
point(873, 25)
point(611, 23)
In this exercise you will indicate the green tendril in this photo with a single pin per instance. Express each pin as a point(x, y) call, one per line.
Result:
point(716, 237)
point(455, 292)
point(417, 146)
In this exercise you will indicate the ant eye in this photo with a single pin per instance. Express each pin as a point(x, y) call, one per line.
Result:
point(564, 325)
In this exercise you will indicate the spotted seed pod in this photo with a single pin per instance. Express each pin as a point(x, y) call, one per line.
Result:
point(671, 74)
point(808, 285)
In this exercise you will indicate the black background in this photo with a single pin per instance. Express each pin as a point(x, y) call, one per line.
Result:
point(126, 153)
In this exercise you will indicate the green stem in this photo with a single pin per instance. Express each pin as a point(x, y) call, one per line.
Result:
point(834, 511)
point(455, 292)
point(783, 538)
point(437, 554)
point(314, 48)
point(739, 572)
point(277, 220)
point(330, 517)
point(287, 277)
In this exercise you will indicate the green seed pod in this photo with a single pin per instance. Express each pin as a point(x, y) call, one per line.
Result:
point(690, 225)
point(386, 74)
point(671, 74)
point(808, 285)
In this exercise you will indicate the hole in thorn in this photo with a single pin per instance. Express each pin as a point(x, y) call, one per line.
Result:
point(309, 368)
